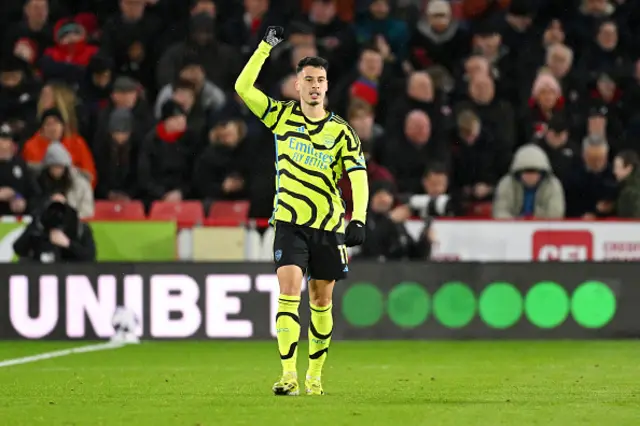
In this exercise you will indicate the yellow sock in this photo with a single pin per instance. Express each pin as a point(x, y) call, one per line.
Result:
point(288, 328)
point(320, 329)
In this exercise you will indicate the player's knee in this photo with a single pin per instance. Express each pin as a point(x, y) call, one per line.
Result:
point(290, 279)
point(321, 301)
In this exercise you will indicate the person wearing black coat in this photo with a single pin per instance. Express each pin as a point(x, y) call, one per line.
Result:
point(19, 191)
point(166, 158)
point(56, 234)
point(222, 171)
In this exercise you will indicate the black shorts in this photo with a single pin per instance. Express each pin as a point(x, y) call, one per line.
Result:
point(320, 254)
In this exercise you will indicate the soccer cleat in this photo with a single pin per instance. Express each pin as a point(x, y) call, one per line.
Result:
point(287, 385)
point(313, 386)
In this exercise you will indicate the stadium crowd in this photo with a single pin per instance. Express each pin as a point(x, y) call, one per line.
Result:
point(530, 107)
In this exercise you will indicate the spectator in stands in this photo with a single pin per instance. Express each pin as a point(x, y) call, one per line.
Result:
point(476, 10)
point(19, 191)
point(471, 67)
point(631, 103)
point(130, 38)
point(546, 100)
point(363, 83)
point(496, 114)
point(389, 35)
point(592, 188)
point(477, 159)
point(58, 95)
point(626, 167)
point(517, 25)
point(537, 53)
point(421, 95)
point(223, 170)
point(117, 158)
point(603, 122)
point(18, 95)
point(285, 88)
point(487, 42)
point(211, 52)
point(530, 189)
point(561, 149)
point(180, 30)
point(438, 38)
point(436, 200)
point(335, 38)
point(281, 57)
point(387, 237)
point(29, 38)
point(166, 158)
point(590, 14)
point(559, 61)
point(606, 104)
point(59, 176)
point(127, 93)
point(95, 90)
point(209, 98)
point(371, 137)
point(407, 155)
point(52, 130)
point(56, 235)
point(606, 54)
point(69, 58)
point(246, 30)
point(184, 94)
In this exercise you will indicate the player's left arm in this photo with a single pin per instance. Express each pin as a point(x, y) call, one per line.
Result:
point(356, 167)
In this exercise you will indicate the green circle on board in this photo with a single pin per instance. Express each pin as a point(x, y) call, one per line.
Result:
point(500, 305)
point(408, 305)
point(593, 304)
point(454, 305)
point(362, 304)
point(547, 304)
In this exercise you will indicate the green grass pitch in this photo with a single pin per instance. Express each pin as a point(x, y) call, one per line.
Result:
point(367, 383)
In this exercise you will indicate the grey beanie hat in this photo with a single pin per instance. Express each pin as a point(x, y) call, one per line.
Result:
point(57, 155)
point(121, 120)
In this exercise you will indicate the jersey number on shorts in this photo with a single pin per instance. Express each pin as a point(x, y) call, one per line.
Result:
point(344, 255)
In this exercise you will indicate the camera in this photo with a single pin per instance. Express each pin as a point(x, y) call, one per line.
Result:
point(427, 206)
point(54, 216)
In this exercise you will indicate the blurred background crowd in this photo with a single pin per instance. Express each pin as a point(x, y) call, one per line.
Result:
point(503, 108)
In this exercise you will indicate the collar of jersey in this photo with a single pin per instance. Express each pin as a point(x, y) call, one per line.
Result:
point(319, 122)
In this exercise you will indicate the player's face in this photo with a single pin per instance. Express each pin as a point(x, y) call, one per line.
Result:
point(312, 85)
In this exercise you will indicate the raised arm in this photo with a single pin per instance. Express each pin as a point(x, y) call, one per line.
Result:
point(260, 104)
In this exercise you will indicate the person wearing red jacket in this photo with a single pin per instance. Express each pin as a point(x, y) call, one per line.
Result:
point(70, 56)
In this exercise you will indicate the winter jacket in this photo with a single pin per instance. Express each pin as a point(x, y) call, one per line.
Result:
point(549, 202)
point(628, 203)
point(35, 149)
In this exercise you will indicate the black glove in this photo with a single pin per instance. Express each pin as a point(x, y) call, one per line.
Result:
point(355, 233)
point(274, 35)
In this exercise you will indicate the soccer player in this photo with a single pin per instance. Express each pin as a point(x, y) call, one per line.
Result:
point(313, 148)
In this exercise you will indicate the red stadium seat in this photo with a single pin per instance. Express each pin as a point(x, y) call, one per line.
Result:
point(481, 209)
point(229, 213)
point(119, 210)
point(190, 212)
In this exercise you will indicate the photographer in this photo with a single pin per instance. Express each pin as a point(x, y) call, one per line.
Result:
point(56, 235)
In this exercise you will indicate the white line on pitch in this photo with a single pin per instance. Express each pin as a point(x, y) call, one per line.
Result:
point(57, 354)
